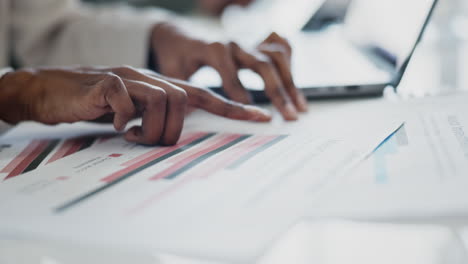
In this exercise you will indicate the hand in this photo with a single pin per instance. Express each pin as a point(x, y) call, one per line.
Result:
point(216, 7)
point(180, 56)
point(54, 96)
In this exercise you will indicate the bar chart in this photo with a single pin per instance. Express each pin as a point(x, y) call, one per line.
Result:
point(197, 155)
point(44, 151)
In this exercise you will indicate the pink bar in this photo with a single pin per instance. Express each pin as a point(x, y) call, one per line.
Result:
point(114, 176)
point(77, 143)
point(223, 141)
point(17, 160)
point(184, 141)
point(27, 160)
point(227, 159)
point(223, 160)
point(138, 162)
point(60, 153)
point(183, 156)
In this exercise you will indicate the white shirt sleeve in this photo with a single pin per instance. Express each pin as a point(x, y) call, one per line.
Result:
point(68, 32)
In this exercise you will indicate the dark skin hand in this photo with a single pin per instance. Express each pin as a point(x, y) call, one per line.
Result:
point(67, 95)
point(180, 56)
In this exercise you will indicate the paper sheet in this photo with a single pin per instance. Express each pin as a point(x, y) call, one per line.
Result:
point(217, 195)
point(421, 171)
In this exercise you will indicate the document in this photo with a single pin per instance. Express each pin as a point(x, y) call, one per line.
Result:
point(420, 171)
point(224, 192)
point(31, 145)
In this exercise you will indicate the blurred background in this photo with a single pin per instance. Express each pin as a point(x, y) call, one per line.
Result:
point(439, 64)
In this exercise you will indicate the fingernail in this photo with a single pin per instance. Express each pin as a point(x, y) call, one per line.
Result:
point(260, 115)
point(302, 102)
point(290, 112)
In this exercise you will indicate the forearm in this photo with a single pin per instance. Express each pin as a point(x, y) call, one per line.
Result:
point(86, 35)
point(6, 98)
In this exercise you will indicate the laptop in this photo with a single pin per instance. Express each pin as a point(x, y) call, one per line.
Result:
point(361, 57)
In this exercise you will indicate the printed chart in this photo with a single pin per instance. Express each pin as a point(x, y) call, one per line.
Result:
point(225, 151)
point(21, 157)
point(390, 146)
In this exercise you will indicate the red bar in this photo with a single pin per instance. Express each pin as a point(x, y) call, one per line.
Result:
point(76, 145)
point(60, 153)
point(17, 160)
point(183, 156)
point(145, 158)
point(223, 160)
point(223, 141)
point(230, 157)
point(186, 139)
point(25, 162)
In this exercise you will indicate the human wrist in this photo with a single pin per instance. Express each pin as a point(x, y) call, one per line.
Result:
point(16, 99)
point(159, 35)
point(4, 72)
point(4, 93)
point(155, 37)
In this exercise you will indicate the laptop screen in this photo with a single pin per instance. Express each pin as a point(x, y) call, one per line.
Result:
point(393, 27)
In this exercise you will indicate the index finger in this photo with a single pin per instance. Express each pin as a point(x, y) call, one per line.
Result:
point(207, 100)
point(274, 87)
point(218, 105)
point(219, 56)
point(152, 101)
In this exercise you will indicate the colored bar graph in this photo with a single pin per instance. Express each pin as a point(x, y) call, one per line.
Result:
point(255, 152)
point(33, 155)
point(156, 156)
point(50, 145)
point(18, 159)
point(217, 163)
point(161, 150)
point(134, 168)
point(71, 146)
point(224, 151)
point(63, 149)
point(224, 160)
point(38, 150)
point(198, 157)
